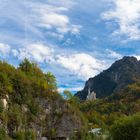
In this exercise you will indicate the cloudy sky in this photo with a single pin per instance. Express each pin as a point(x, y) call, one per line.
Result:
point(74, 39)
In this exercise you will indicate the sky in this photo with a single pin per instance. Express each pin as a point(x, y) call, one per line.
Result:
point(74, 39)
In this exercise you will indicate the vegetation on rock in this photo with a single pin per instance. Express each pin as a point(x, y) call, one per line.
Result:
point(30, 106)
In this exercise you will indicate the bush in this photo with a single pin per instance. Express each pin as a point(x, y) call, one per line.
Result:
point(80, 135)
point(30, 135)
point(127, 128)
point(19, 136)
point(34, 107)
point(3, 135)
point(1, 106)
point(27, 135)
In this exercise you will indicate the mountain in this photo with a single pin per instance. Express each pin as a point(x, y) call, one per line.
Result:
point(121, 73)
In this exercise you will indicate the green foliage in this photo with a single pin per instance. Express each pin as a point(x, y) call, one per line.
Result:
point(34, 107)
point(127, 128)
point(30, 68)
point(82, 135)
point(19, 136)
point(67, 95)
point(23, 87)
point(73, 100)
point(103, 112)
point(3, 135)
point(25, 82)
point(30, 135)
point(14, 118)
point(51, 81)
point(53, 133)
point(25, 135)
point(1, 106)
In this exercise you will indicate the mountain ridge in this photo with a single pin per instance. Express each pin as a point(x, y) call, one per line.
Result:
point(120, 74)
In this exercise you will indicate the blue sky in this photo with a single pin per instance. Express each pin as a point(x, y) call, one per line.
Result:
point(74, 40)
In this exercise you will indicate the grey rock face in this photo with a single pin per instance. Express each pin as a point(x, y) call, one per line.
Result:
point(61, 118)
point(91, 95)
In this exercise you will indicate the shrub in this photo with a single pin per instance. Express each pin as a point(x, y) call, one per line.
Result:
point(19, 136)
point(1, 106)
point(30, 135)
point(27, 135)
point(3, 135)
point(127, 128)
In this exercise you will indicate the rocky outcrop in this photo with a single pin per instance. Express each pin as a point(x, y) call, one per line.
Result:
point(4, 101)
point(91, 95)
point(114, 79)
point(61, 118)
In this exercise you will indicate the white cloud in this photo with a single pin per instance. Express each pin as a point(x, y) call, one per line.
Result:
point(4, 49)
point(137, 56)
point(35, 19)
point(113, 54)
point(126, 13)
point(54, 20)
point(81, 64)
point(55, 35)
point(61, 89)
point(37, 52)
point(53, 17)
point(65, 3)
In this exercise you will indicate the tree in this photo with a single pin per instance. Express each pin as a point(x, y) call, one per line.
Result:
point(51, 81)
point(73, 100)
point(25, 66)
point(30, 68)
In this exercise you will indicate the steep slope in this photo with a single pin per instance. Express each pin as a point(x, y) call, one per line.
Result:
point(117, 77)
point(30, 105)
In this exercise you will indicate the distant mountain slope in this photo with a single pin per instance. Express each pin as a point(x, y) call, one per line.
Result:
point(117, 77)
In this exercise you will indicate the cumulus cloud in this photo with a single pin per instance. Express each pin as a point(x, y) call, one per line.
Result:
point(126, 13)
point(81, 64)
point(36, 52)
point(4, 49)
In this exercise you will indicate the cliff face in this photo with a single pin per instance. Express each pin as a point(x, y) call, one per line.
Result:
point(114, 79)
point(61, 118)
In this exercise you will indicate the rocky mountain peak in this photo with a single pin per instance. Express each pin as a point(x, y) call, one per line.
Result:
point(121, 73)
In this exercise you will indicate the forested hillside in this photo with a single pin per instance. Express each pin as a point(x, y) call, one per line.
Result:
point(30, 106)
point(103, 112)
